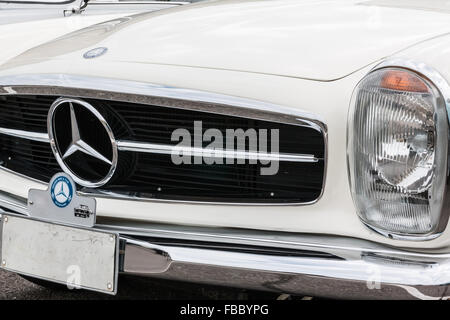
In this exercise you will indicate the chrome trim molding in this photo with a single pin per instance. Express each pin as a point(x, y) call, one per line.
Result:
point(144, 147)
point(213, 153)
point(443, 87)
point(34, 136)
point(176, 98)
point(13, 203)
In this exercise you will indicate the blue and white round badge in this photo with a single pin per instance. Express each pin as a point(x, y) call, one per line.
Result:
point(61, 191)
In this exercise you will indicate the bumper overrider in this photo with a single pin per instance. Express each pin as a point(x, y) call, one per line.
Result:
point(286, 263)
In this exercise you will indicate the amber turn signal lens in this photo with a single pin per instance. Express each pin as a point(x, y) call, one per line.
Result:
point(403, 81)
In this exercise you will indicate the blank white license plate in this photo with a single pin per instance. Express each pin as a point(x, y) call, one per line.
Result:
point(80, 258)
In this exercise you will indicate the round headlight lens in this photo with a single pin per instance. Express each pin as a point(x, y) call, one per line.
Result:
point(397, 146)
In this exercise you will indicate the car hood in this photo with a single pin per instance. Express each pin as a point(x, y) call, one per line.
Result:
point(319, 40)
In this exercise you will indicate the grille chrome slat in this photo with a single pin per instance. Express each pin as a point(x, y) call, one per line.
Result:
point(33, 136)
point(144, 147)
point(216, 153)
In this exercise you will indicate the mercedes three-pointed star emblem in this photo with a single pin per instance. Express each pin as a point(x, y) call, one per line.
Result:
point(78, 144)
point(92, 167)
point(61, 191)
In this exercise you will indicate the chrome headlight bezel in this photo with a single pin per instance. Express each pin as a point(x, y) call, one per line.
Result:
point(431, 76)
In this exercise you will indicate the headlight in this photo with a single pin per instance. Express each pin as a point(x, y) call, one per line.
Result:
point(397, 141)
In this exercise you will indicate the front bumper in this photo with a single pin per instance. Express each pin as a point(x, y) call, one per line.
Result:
point(354, 271)
point(324, 266)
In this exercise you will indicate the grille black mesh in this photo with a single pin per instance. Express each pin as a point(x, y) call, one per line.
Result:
point(155, 176)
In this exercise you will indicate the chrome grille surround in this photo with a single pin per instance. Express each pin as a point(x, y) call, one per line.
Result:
point(177, 98)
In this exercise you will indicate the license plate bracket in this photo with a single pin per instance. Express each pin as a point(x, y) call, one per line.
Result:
point(79, 257)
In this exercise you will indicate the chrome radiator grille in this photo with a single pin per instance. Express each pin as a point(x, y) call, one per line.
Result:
point(150, 173)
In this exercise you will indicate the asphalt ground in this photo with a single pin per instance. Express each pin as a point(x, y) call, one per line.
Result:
point(14, 287)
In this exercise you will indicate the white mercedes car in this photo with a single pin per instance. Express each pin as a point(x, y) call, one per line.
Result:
point(300, 147)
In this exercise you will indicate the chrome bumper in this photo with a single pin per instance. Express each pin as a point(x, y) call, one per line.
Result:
point(323, 266)
point(364, 274)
